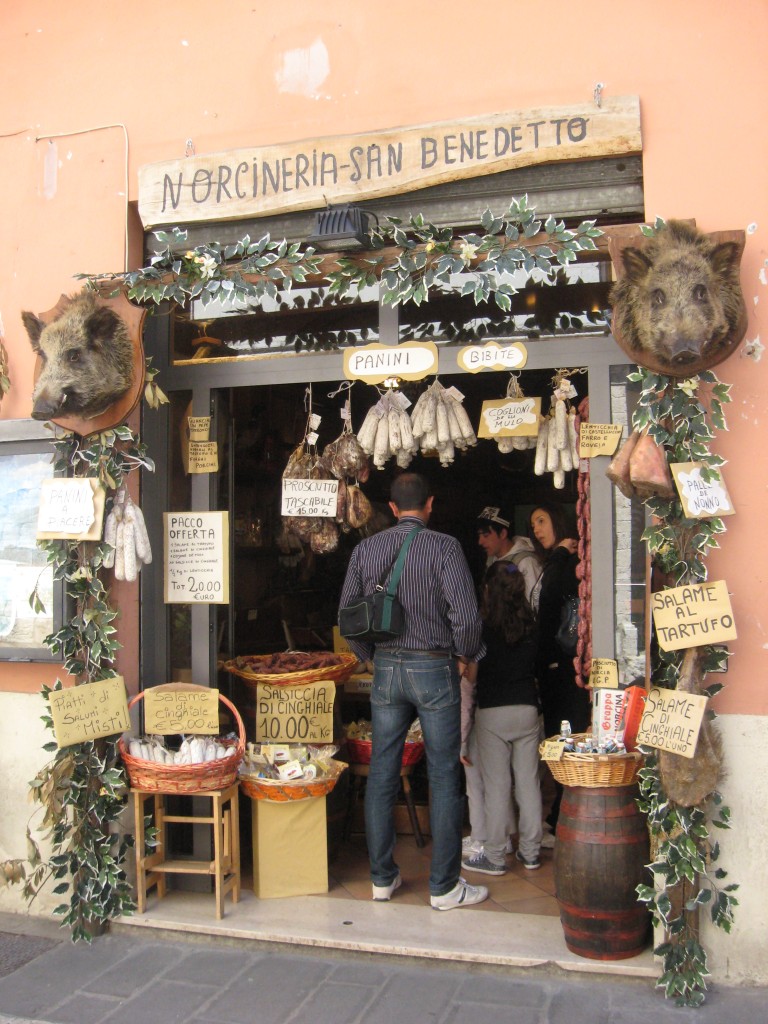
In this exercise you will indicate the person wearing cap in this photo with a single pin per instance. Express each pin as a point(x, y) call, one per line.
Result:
point(495, 537)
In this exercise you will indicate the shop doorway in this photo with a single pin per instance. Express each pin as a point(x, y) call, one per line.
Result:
point(289, 598)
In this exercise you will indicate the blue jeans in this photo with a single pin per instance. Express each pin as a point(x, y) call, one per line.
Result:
point(405, 684)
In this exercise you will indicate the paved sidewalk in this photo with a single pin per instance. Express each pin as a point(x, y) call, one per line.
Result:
point(151, 979)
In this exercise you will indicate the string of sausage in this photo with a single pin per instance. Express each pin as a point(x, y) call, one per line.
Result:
point(583, 659)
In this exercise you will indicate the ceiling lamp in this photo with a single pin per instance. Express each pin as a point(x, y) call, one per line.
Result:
point(342, 227)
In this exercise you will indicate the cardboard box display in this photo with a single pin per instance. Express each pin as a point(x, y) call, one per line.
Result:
point(290, 848)
point(607, 705)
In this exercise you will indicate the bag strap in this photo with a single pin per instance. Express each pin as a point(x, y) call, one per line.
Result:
point(396, 566)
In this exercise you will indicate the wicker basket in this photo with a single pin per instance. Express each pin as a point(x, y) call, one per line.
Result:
point(592, 770)
point(359, 751)
point(278, 792)
point(184, 778)
point(333, 673)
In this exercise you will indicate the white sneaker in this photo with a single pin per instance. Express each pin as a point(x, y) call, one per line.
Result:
point(547, 841)
point(382, 893)
point(509, 848)
point(462, 895)
point(470, 846)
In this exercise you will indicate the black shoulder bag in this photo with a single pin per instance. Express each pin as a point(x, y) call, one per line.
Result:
point(379, 616)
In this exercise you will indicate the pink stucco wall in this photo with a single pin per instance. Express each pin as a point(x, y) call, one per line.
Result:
point(240, 74)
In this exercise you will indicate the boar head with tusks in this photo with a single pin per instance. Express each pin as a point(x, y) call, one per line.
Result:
point(679, 299)
point(86, 357)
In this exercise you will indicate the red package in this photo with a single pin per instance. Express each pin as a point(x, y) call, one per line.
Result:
point(634, 703)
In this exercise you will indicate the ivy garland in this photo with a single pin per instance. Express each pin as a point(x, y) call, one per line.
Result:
point(82, 789)
point(410, 258)
point(680, 416)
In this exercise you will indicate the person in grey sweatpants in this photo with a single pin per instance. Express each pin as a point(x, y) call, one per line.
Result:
point(507, 721)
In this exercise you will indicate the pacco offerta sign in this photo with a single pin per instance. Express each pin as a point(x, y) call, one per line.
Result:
point(308, 174)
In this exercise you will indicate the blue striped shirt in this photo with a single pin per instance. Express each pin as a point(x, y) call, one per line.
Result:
point(436, 591)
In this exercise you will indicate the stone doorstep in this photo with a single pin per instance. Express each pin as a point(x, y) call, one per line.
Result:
point(336, 924)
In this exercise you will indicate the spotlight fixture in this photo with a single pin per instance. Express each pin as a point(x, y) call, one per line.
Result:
point(342, 227)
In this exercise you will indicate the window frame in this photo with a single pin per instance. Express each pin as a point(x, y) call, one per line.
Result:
point(28, 437)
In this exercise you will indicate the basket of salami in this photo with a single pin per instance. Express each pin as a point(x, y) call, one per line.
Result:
point(286, 772)
point(594, 768)
point(291, 668)
point(199, 764)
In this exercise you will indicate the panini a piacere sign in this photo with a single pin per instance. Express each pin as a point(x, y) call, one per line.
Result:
point(309, 174)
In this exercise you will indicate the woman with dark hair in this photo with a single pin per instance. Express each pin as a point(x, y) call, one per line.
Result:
point(507, 721)
point(560, 697)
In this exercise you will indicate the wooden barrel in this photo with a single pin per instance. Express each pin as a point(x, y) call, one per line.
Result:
point(600, 856)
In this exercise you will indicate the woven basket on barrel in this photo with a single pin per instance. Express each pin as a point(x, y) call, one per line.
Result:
point(359, 751)
point(278, 791)
point(577, 769)
point(184, 778)
point(332, 673)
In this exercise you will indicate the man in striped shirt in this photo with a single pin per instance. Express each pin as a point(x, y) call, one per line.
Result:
point(417, 673)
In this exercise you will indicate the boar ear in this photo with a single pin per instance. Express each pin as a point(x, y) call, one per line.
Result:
point(101, 325)
point(34, 326)
point(725, 259)
point(636, 263)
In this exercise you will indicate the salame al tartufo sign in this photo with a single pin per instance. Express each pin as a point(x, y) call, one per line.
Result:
point(315, 172)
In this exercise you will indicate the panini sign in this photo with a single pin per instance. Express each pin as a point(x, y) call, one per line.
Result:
point(312, 173)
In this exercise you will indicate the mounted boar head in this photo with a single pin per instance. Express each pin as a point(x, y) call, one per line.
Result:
point(86, 358)
point(678, 306)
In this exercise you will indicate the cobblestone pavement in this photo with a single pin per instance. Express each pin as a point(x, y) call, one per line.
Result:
point(150, 979)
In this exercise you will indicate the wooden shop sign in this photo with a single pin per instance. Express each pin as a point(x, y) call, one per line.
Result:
point(312, 173)
point(693, 616)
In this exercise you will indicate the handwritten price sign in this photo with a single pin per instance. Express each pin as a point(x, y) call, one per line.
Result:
point(167, 712)
point(295, 714)
point(196, 549)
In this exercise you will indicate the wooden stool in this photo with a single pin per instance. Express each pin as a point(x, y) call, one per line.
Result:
point(152, 868)
point(359, 772)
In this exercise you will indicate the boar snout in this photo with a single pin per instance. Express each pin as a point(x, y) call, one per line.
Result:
point(47, 405)
point(684, 352)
